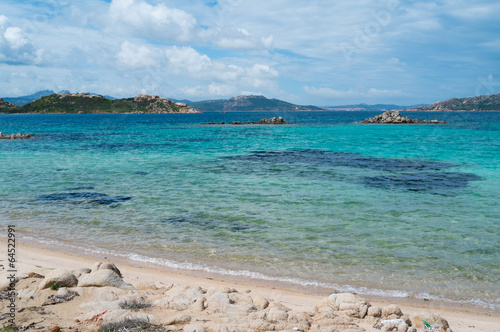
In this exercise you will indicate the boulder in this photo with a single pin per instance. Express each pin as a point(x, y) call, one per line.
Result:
point(394, 117)
point(103, 278)
point(59, 278)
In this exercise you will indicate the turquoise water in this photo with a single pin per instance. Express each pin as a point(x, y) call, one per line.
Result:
point(410, 210)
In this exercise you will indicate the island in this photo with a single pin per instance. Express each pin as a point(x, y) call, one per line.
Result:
point(394, 117)
point(84, 103)
point(471, 104)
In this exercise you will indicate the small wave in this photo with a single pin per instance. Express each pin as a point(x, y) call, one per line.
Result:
point(187, 266)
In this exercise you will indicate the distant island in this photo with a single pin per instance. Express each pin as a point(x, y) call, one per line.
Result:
point(250, 103)
point(82, 103)
point(366, 107)
point(472, 104)
point(47, 101)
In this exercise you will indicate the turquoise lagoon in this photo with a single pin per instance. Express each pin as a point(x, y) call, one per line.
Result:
point(395, 210)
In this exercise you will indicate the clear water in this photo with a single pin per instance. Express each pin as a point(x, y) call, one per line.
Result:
point(402, 210)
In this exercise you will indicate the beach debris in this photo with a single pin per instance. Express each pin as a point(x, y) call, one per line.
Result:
point(394, 117)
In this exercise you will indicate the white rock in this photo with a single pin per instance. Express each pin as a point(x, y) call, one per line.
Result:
point(102, 278)
point(60, 277)
point(194, 328)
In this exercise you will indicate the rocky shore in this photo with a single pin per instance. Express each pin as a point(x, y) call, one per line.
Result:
point(394, 117)
point(15, 136)
point(271, 121)
point(98, 299)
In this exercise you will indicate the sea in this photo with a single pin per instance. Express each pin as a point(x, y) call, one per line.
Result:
point(409, 211)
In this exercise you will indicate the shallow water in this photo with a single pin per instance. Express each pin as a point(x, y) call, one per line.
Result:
point(402, 210)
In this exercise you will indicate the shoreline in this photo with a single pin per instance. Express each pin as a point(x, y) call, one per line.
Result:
point(37, 258)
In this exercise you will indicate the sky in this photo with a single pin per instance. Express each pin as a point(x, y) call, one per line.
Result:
point(310, 52)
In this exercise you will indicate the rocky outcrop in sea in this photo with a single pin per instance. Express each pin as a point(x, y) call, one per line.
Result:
point(271, 121)
point(394, 117)
point(15, 136)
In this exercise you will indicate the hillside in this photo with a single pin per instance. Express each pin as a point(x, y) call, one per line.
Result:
point(479, 103)
point(6, 107)
point(249, 104)
point(89, 103)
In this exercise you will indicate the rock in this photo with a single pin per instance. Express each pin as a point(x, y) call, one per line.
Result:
point(78, 273)
point(392, 310)
point(218, 303)
point(55, 329)
point(276, 314)
point(350, 304)
point(417, 321)
point(26, 294)
point(112, 267)
point(375, 312)
point(34, 275)
point(102, 278)
point(271, 121)
point(63, 295)
point(179, 319)
point(260, 302)
point(180, 302)
point(60, 278)
point(395, 117)
point(194, 328)
point(15, 136)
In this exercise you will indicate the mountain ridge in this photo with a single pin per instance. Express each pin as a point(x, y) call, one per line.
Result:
point(249, 103)
point(469, 104)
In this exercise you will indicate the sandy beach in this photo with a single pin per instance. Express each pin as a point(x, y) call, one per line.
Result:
point(250, 306)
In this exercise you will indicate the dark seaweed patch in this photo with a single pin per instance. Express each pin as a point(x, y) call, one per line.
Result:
point(86, 198)
point(336, 159)
point(402, 174)
point(206, 223)
point(437, 182)
point(82, 188)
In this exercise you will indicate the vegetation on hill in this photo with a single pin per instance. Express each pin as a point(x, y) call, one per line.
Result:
point(87, 103)
point(479, 103)
point(249, 104)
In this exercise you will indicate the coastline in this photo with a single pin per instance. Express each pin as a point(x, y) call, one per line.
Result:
point(36, 258)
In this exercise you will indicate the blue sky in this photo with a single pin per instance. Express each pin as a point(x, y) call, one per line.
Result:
point(321, 52)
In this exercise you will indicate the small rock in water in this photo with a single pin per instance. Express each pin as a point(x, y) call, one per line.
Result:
point(394, 117)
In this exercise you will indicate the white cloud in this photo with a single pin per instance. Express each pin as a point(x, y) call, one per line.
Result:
point(134, 56)
point(187, 60)
point(210, 90)
point(15, 47)
point(152, 21)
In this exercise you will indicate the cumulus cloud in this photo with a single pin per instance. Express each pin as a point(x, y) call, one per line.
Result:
point(210, 90)
point(186, 62)
point(15, 47)
point(137, 56)
point(153, 21)
point(187, 59)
